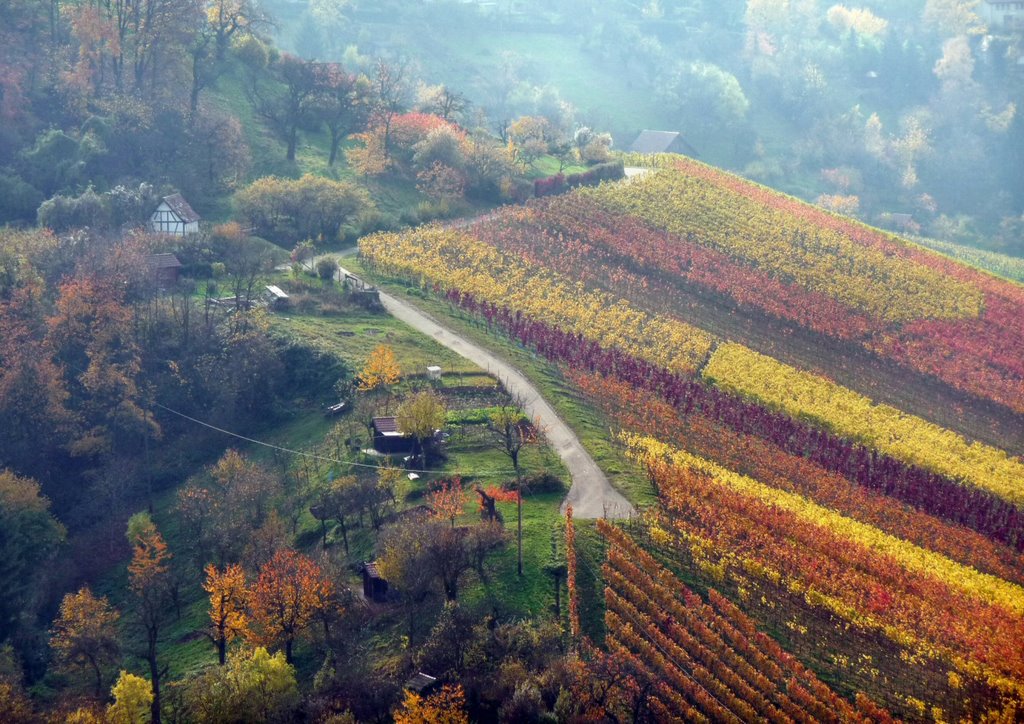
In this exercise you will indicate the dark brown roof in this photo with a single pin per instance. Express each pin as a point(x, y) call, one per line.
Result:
point(385, 424)
point(163, 261)
point(371, 570)
point(420, 683)
point(180, 207)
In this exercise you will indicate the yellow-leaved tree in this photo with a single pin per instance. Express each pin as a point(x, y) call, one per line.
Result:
point(133, 697)
point(447, 706)
point(380, 372)
point(227, 605)
point(84, 635)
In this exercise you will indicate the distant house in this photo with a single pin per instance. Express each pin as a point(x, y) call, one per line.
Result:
point(163, 269)
point(904, 222)
point(387, 439)
point(1006, 14)
point(662, 142)
point(175, 217)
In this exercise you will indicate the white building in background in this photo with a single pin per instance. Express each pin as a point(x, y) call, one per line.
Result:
point(1002, 14)
point(175, 217)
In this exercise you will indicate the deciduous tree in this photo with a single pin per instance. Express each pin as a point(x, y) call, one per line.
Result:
point(447, 500)
point(253, 686)
point(286, 103)
point(380, 372)
point(149, 577)
point(29, 538)
point(342, 103)
point(228, 620)
point(133, 701)
point(447, 706)
point(513, 432)
point(289, 595)
point(84, 635)
point(421, 416)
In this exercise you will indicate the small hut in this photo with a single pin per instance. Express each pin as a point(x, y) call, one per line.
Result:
point(375, 588)
point(163, 269)
point(276, 297)
point(388, 440)
point(421, 684)
point(434, 373)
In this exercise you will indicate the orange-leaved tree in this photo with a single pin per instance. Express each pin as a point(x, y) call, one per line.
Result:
point(227, 605)
point(448, 500)
point(447, 706)
point(149, 577)
point(84, 634)
point(289, 594)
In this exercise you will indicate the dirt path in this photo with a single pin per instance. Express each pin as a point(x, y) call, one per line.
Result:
point(591, 494)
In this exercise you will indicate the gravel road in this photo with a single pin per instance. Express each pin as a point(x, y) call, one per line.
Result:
point(591, 494)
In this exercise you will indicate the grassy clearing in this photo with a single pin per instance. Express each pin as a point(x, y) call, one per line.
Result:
point(353, 337)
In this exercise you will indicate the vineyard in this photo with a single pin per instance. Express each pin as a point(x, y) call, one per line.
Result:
point(880, 548)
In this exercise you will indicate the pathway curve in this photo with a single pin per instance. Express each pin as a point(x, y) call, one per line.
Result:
point(591, 494)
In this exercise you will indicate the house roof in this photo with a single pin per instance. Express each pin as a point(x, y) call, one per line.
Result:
point(420, 683)
point(181, 208)
point(163, 261)
point(385, 424)
point(371, 570)
point(660, 142)
point(654, 141)
point(277, 292)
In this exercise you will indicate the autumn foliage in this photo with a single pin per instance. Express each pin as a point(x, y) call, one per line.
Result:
point(228, 596)
point(447, 706)
point(286, 598)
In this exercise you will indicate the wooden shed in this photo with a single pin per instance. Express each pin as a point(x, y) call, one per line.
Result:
point(421, 684)
point(276, 297)
point(163, 269)
point(387, 438)
point(375, 588)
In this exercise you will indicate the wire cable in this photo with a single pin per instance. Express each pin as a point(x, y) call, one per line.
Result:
point(315, 456)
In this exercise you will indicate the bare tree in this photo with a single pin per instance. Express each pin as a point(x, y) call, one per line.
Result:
point(514, 431)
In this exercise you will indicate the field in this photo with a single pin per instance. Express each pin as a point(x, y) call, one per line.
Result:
point(831, 419)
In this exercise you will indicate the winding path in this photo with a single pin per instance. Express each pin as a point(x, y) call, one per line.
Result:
point(591, 494)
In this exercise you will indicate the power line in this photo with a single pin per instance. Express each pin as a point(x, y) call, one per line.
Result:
point(315, 456)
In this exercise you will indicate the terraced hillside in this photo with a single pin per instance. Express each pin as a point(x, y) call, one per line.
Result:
point(831, 416)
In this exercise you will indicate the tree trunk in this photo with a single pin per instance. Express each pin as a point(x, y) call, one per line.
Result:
point(335, 142)
point(222, 649)
point(514, 454)
point(293, 141)
point(99, 678)
point(288, 650)
point(344, 532)
point(154, 673)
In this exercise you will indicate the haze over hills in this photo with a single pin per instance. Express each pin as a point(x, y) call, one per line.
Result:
point(317, 317)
